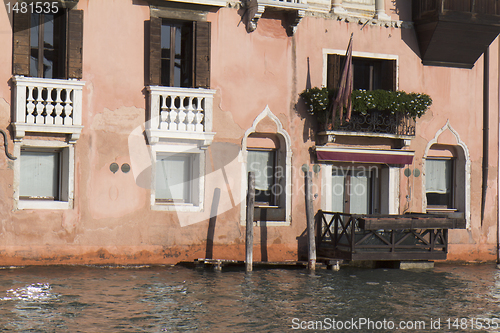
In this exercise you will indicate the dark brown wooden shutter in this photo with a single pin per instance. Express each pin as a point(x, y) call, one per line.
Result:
point(74, 44)
point(21, 44)
point(155, 51)
point(202, 55)
point(389, 69)
point(334, 70)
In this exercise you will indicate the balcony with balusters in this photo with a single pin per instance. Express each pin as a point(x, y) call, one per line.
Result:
point(47, 106)
point(182, 115)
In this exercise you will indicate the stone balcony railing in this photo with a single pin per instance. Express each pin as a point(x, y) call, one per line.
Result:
point(47, 106)
point(292, 4)
point(180, 114)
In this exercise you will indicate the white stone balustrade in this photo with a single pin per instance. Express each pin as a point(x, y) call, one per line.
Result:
point(290, 2)
point(47, 106)
point(180, 114)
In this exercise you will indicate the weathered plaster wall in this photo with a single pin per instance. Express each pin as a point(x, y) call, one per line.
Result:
point(112, 221)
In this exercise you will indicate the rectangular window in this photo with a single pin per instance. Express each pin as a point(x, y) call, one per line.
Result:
point(368, 73)
point(48, 45)
point(40, 175)
point(438, 183)
point(174, 178)
point(179, 53)
point(355, 191)
point(262, 163)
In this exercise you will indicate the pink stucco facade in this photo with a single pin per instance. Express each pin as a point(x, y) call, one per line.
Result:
point(112, 220)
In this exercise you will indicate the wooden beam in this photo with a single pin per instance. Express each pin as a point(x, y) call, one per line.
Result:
point(310, 222)
point(249, 222)
point(398, 223)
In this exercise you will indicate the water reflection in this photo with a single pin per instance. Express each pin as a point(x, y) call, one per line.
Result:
point(86, 299)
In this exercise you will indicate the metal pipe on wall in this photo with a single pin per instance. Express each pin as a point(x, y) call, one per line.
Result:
point(486, 96)
point(498, 163)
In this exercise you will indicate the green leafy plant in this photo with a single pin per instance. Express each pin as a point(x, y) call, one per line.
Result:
point(318, 101)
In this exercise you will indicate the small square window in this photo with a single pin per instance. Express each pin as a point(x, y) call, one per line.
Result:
point(44, 174)
point(40, 175)
point(173, 178)
point(178, 182)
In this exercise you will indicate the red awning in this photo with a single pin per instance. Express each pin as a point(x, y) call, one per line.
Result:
point(387, 156)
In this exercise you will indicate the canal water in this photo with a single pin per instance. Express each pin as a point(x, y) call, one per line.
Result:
point(171, 299)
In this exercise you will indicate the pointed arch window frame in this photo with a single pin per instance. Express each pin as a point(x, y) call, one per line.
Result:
point(287, 163)
point(467, 174)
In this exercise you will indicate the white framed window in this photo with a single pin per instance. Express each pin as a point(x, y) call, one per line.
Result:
point(263, 163)
point(439, 183)
point(371, 71)
point(356, 190)
point(44, 175)
point(40, 174)
point(360, 189)
point(446, 174)
point(269, 155)
point(178, 181)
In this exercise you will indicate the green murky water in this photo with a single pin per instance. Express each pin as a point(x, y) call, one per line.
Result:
point(165, 299)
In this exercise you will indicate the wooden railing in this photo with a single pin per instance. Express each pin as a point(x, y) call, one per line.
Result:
point(379, 237)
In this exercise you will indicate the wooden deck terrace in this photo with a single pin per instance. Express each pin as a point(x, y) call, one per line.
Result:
point(385, 237)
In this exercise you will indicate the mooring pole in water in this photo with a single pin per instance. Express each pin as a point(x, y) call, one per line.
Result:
point(310, 222)
point(249, 225)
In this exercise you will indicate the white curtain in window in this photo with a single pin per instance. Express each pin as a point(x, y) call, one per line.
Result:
point(173, 177)
point(338, 191)
point(437, 176)
point(39, 174)
point(261, 162)
point(360, 193)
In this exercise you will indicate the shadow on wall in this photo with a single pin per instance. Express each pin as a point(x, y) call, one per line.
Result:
point(310, 125)
point(302, 246)
point(303, 239)
point(211, 224)
point(408, 35)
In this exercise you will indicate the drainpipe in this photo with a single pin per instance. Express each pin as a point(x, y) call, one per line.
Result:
point(498, 164)
point(6, 145)
point(486, 96)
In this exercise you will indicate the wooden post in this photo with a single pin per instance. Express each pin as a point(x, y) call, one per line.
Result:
point(310, 222)
point(249, 225)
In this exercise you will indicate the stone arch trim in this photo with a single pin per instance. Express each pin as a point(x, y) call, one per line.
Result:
point(465, 151)
point(288, 164)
